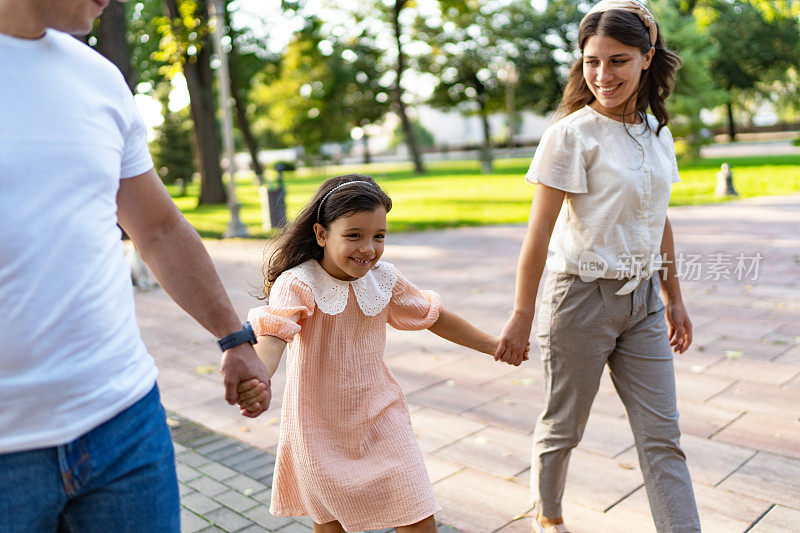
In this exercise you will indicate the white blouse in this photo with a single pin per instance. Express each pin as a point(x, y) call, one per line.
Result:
point(617, 178)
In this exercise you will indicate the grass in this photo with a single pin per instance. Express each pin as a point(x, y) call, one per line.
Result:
point(455, 193)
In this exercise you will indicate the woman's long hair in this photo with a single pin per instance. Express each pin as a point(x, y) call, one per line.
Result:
point(297, 243)
point(656, 82)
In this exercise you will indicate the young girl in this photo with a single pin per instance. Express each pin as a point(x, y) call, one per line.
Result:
point(603, 175)
point(347, 456)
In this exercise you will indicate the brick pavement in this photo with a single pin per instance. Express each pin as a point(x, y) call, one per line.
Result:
point(739, 387)
point(225, 484)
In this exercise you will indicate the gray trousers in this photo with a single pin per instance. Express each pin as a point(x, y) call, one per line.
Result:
point(582, 327)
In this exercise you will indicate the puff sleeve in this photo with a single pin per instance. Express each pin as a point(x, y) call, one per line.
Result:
point(560, 160)
point(411, 308)
point(290, 303)
point(676, 177)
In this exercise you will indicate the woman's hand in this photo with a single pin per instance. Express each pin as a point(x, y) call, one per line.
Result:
point(514, 341)
point(680, 327)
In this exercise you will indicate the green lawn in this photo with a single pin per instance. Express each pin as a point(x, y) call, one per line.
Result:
point(455, 193)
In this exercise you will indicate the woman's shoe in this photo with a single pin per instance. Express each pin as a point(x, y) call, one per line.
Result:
point(551, 528)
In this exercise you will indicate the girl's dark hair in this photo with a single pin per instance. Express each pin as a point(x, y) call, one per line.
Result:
point(297, 243)
point(655, 84)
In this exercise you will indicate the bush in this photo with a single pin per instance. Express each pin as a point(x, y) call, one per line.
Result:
point(686, 151)
point(423, 136)
point(173, 149)
point(288, 166)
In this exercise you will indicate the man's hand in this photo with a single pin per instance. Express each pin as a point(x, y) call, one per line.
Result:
point(239, 364)
point(176, 255)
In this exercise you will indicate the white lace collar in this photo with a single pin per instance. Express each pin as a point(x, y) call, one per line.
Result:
point(373, 291)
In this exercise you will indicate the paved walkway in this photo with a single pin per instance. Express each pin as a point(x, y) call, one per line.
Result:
point(752, 148)
point(225, 483)
point(739, 387)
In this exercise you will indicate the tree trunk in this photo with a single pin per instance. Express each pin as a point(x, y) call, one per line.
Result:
point(244, 123)
point(411, 140)
point(113, 44)
point(199, 80)
point(686, 8)
point(365, 142)
point(731, 124)
point(486, 146)
point(241, 110)
point(112, 41)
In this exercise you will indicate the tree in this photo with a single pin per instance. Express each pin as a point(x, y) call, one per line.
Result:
point(465, 58)
point(423, 136)
point(172, 149)
point(298, 99)
point(365, 100)
point(385, 22)
point(186, 45)
point(159, 45)
point(144, 18)
point(320, 89)
point(112, 41)
point(695, 89)
point(768, 8)
point(173, 37)
point(394, 11)
point(376, 33)
point(247, 56)
point(542, 45)
point(752, 50)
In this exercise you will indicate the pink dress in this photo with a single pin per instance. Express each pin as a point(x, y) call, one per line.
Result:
point(347, 450)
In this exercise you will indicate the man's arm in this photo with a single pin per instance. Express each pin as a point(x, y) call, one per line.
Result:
point(174, 252)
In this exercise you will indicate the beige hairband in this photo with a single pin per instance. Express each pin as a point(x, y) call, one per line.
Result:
point(631, 6)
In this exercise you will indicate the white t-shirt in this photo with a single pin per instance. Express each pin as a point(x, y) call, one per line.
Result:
point(617, 186)
point(71, 356)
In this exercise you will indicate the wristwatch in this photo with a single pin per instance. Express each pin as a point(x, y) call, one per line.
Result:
point(246, 334)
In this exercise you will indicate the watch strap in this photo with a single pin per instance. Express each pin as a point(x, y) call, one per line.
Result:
point(246, 334)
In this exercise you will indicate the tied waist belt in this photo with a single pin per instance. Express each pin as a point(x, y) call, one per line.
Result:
point(632, 283)
point(628, 287)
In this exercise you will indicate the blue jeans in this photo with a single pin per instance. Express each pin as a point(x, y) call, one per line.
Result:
point(119, 477)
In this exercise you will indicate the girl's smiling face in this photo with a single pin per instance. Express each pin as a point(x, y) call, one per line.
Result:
point(352, 244)
point(612, 71)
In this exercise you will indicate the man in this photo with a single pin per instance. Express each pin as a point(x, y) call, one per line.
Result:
point(84, 444)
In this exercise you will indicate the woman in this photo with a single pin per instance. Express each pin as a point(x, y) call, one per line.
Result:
point(603, 175)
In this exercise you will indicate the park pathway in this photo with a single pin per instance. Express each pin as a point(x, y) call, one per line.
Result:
point(738, 386)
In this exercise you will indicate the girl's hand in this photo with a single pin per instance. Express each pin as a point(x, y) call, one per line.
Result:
point(514, 345)
point(680, 327)
point(253, 397)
